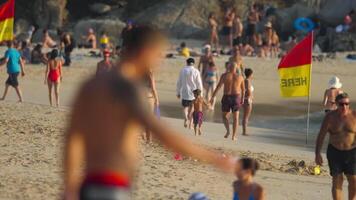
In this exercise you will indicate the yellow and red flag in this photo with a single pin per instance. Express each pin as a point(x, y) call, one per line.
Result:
point(7, 14)
point(295, 69)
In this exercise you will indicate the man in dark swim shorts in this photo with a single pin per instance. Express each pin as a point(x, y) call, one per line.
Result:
point(341, 152)
point(234, 89)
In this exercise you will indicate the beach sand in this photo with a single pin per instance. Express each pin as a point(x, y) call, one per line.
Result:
point(31, 136)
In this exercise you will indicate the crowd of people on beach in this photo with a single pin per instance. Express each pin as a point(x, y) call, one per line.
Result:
point(112, 103)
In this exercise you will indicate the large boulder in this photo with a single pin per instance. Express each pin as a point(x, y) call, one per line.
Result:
point(181, 18)
point(285, 17)
point(50, 13)
point(112, 27)
point(334, 11)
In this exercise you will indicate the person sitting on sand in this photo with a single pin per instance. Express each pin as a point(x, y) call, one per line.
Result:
point(210, 77)
point(330, 94)
point(105, 65)
point(25, 52)
point(101, 150)
point(205, 59)
point(37, 55)
point(245, 187)
point(188, 81)
point(341, 152)
point(234, 91)
point(198, 114)
point(53, 75)
point(47, 41)
point(246, 49)
point(183, 50)
point(104, 41)
point(15, 66)
point(90, 39)
point(214, 35)
point(247, 106)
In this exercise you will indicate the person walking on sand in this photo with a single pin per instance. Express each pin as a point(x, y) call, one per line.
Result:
point(214, 35)
point(105, 65)
point(234, 91)
point(205, 59)
point(152, 98)
point(188, 81)
point(210, 78)
point(247, 106)
point(245, 187)
point(101, 150)
point(53, 75)
point(330, 94)
point(198, 114)
point(15, 66)
point(341, 152)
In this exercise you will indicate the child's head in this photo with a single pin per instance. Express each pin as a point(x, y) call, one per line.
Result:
point(190, 61)
point(183, 45)
point(248, 168)
point(248, 72)
point(197, 93)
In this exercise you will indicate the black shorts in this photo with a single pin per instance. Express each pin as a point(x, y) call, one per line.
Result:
point(237, 41)
point(251, 30)
point(12, 80)
point(341, 162)
point(230, 103)
point(187, 103)
point(99, 192)
point(226, 30)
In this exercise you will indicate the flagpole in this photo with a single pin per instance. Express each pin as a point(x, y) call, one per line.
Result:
point(309, 96)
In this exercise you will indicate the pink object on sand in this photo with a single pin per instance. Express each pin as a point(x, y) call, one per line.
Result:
point(178, 157)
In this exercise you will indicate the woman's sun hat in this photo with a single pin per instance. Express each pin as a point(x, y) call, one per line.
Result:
point(335, 83)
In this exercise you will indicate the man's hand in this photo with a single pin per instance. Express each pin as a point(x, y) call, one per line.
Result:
point(318, 159)
point(22, 73)
point(211, 101)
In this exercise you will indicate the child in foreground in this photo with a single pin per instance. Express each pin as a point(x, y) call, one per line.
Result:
point(101, 151)
point(245, 187)
point(198, 114)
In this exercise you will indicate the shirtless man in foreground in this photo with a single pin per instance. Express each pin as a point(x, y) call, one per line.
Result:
point(341, 153)
point(102, 139)
point(234, 90)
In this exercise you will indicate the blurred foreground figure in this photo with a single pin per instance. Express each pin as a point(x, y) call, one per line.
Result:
point(106, 121)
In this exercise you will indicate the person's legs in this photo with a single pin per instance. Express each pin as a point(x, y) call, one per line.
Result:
point(352, 186)
point(19, 93)
point(225, 117)
point(5, 92)
point(246, 116)
point(235, 124)
point(56, 92)
point(186, 116)
point(49, 83)
point(190, 115)
point(230, 40)
point(337, 181)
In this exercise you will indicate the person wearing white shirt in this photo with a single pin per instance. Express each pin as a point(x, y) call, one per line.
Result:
point(188, 81)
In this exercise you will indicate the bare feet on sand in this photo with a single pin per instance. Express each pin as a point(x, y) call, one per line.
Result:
point(226, 135)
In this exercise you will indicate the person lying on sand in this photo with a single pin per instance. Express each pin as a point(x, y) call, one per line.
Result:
point(234, 90)
point(47, 41)
point(341, 152)
point(245, 187)
point(102, 139)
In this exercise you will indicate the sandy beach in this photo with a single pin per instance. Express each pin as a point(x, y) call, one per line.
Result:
point(31, 135)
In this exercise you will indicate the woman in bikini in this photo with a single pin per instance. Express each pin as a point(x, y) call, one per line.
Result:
point(331, 93)
point(205, 59)
point(210, 78)
point(53, 75)
point(214, 36)
point(247, 106)
point(245, 187)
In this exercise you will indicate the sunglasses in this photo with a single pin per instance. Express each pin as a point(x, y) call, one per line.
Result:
point(344, 104)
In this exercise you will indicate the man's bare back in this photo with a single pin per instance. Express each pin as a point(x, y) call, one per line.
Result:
point(233, 83)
